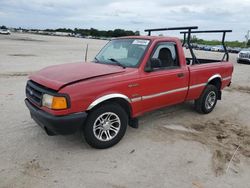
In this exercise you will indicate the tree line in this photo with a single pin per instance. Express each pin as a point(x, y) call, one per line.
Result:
point(121, 32)
point(97, 33)
point(217, 42)
point(3, 27)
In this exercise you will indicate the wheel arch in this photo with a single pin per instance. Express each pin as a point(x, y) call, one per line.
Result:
point(119, 99)
point(216, 80)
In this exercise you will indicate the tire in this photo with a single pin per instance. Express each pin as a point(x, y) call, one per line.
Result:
point(207, 101)
point(99, 132)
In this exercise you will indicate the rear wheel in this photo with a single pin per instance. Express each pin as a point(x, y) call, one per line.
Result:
point(207, 101)
point(105, 126)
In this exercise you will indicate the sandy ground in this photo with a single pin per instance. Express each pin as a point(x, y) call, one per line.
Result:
point(173, 147)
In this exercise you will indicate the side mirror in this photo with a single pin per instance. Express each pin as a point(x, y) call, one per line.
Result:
point(148, 68)
point(154, 63)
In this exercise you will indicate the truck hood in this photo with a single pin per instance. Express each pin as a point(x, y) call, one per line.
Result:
point(58, 76)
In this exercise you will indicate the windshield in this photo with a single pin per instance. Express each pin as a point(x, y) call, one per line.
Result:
point(123, 52)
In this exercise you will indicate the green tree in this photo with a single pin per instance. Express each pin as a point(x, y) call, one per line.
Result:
point(137, 33)
point(248, 43)
point(97, 33)
point(194, 39)
point(3, 27)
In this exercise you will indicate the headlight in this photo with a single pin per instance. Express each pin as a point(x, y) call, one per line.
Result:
point(54, 102)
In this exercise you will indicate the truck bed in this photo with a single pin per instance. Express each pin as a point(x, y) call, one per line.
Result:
point(202, 61)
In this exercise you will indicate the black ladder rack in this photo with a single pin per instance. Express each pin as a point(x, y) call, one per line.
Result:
point(171, 29)
point(189, 31)
point(210, 31)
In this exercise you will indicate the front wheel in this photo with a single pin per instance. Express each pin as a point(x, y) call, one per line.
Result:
point(105, 126)
point(207, 101)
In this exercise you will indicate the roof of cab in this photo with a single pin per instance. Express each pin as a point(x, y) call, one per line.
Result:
point(152, 38)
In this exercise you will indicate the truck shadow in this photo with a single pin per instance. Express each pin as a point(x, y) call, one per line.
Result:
point(176, 110)
point(76, 140)
point(221, 136)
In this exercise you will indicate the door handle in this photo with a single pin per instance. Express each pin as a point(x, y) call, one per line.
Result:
point(180, 75)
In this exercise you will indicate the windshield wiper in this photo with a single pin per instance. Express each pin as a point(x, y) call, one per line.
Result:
point(97, 60)
point(117, 62)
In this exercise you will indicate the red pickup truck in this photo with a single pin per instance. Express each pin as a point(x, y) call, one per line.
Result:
point(129, 76)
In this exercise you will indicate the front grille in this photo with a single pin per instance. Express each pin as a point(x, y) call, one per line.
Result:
point(34, 93)
point(244, 55)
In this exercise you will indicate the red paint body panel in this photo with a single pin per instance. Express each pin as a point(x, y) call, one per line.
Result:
point(86, 82)
point(55, 77)
point(200, 73)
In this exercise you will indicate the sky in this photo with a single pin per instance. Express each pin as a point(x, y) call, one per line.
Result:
point(129, 14)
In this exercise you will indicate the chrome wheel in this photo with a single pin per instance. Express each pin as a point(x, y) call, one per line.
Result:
point(210, 100)
point(106, 126)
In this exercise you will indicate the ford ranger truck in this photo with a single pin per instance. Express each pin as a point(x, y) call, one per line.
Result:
point(128, 77)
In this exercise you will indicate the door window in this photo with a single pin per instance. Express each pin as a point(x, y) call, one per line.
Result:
point(165, 56)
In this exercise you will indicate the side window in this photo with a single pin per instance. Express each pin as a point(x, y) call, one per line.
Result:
point(165, 56)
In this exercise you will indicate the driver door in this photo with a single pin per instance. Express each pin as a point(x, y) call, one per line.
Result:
point(167, 82)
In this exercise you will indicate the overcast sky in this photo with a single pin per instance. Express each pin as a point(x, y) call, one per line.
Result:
point(128, 14)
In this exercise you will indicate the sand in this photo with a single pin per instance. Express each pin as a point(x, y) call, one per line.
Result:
point(173, 147)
